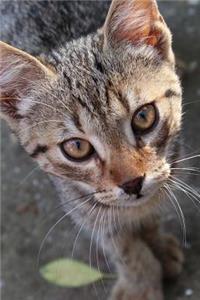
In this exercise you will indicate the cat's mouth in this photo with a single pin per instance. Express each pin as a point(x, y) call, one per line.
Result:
point(136, 201)
point(120, 200)
point(130, 202)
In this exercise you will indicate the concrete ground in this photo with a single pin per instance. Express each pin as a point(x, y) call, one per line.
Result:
point(28, 199)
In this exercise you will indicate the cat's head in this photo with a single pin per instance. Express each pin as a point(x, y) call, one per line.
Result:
point(105, 111)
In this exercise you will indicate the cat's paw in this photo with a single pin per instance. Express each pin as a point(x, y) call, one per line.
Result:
point(122, 293)
point(172, 257)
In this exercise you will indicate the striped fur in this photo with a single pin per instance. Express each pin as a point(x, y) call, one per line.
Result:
point(90, 88)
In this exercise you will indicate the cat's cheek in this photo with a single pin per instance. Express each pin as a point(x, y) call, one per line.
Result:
point(153, 182)
point(150, 187)
point(54, 163)
point(46, 166)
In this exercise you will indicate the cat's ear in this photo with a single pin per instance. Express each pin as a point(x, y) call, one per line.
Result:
point(137, 22)
point(19, 71)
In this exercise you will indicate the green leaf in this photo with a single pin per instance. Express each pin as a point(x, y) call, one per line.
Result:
point(70, 273)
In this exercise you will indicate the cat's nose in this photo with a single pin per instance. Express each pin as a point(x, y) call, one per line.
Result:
point(133, 186)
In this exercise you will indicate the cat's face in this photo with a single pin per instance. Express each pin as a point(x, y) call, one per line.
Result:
point(107, 113)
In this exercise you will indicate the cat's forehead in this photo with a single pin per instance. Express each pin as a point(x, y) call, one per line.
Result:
point(106, 85)
point(102, 90)
point(88, 70)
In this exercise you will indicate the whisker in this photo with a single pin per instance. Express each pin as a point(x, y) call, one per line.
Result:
point(192, 169)
point(111, 230)
point(62, 205)
point(103, 242)
point(192, 102)
point(92, 235)
point(114, 220)
point(187, 193)
point(187, 158)
point(91, 243)
point(112, 239)
point(97, 252)
point(187, 186)
point(75, 199)
point(29, 175)
point(119, 220)
point(183, 172)
point(179, 210)
point(52, 227)
point(81, 227)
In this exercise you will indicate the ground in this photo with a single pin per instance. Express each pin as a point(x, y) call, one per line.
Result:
point(29, 200)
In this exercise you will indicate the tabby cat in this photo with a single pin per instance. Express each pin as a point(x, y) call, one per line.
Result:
point(102, 115)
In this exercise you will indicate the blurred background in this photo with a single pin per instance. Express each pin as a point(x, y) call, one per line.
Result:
point(29, 200)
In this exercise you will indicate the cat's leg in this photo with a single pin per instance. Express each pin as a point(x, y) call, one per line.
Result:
point(139, 272)
point(166, 248)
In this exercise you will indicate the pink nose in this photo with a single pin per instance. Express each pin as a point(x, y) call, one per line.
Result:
point(133, 186)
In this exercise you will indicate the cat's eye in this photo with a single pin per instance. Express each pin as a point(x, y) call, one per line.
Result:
point(145, 119)
point(77, 149)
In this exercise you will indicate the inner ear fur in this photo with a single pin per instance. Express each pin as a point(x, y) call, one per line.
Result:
point(137, 22)
point(19, 71)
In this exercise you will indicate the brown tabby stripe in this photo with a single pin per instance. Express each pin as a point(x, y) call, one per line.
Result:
point(78, 123)
point(124, 101)
point(83, 104)
point(68, 80)
point(163, 136)
point(98, 65)
point(8, 106)
point(175, 149)
point(39, 149)
point(170, 93)
point(139, 142)
point(73, 173)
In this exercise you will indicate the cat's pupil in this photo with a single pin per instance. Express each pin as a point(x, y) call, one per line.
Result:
point(78, 145)
point(143, 115)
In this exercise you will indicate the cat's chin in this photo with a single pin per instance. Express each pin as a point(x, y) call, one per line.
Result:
point(135, 202)
point(133, 212)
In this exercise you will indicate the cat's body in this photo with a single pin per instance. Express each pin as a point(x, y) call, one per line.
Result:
point(102, 115)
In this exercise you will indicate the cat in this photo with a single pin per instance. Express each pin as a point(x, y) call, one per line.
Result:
point(102, 115)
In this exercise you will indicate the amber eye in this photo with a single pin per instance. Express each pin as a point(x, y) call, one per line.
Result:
point(145, 119)
point(77, 149)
